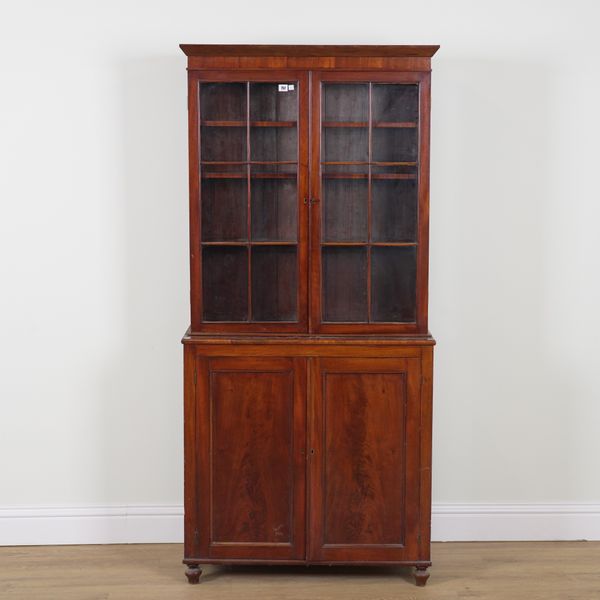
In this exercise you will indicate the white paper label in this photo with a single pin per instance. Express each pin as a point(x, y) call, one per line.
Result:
point(283, 87)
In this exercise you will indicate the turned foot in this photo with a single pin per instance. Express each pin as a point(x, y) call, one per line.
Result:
point(421, 576)
point(193, 573)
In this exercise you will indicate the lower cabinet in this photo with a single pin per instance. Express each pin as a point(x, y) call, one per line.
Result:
point(308, 458)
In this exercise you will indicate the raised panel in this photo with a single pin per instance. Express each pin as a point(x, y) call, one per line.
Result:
point(253, 503)
point(364, 459)
point(251, 433)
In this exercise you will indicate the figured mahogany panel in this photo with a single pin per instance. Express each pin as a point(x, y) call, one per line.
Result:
point(253, 500)
point(364, 458)
point(251, 447)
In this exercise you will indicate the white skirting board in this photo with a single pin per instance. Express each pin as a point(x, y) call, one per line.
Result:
point(164, 524)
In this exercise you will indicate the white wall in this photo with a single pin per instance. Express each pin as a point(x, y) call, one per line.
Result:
point(93, 244)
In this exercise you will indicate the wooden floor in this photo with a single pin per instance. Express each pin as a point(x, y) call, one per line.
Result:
point(507, 571)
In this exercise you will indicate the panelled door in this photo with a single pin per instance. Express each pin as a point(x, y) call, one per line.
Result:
point(251, 419)
point(248, 215)
point(369, 190)
point(364, 459)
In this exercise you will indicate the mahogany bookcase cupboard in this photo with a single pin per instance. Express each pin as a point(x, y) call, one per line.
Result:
point(308, 363)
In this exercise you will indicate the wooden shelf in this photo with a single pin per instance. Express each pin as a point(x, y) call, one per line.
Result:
point(345, 123)
point(394, 124)
point(393, 176)
point(224, 176)
point(324, 244)
point(365, 244)
point(366, 176)
point(375, 124)
point(373, 163)
point(244, 123)
point(252, 175)
point(272, 123)
point(247, 162)
point(253, 243)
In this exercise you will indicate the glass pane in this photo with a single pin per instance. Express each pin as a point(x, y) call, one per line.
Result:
point(225, 283)
point(274, 101)
point(344, 284)
point(344, 215)
point(394, 210)
point(223, 143)
point(224, 207)
point(223, 101)
point(274, 210)
point(393, 287)
point(274, 277)
point(273, 143)
point(345, 102)
point(395, 102)
point(345, 144)
point(395, 144)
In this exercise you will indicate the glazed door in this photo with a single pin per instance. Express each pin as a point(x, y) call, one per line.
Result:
point(251, 458)
point(369, 198)
point(249, 179)
point(364, 459)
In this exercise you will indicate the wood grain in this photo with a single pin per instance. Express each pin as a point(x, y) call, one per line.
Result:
point(364, 459)
point(251, 432)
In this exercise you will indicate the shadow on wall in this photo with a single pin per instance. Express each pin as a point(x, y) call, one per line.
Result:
point(141, 406)
point(498, 390)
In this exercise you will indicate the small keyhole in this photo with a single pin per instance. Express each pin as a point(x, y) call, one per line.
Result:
point(312, 451)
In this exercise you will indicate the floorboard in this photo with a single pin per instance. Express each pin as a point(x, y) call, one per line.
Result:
point(502, 570)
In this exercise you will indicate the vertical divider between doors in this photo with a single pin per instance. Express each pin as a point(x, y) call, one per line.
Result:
point(303, 191)
point(249, 203)
point(308, 190)
point(315, 210)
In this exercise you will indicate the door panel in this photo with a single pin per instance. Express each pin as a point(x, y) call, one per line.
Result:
point(253, 448)
point(369, 169)
point(364, 459)
point(249, 221)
